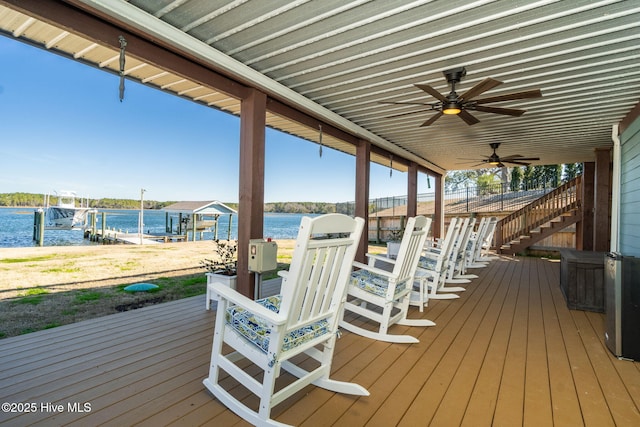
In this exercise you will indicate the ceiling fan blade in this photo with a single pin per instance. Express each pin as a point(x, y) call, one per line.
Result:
point(432, 119)
point(517, 158)
point(535, 93)
point(468, 118)
point(481, 87)
point(498, 110)
point(431, 91)
point(517, 163)
point(407, 113)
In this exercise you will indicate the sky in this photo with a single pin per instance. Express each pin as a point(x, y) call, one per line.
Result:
point(63, 127)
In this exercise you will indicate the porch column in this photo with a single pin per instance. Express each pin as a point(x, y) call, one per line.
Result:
point(602, 200)
point(412, 190)
point(584, 227)
point(363, 166)
point(438, 216)
point(251, 191)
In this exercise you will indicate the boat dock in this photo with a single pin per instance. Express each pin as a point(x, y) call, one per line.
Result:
point(115, 236)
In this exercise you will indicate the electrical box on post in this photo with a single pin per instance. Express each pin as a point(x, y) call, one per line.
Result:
point(263, 255)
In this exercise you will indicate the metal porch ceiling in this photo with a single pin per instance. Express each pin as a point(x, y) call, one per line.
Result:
point(346, 56)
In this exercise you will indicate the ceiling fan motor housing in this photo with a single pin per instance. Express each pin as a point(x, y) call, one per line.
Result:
point(455, 74)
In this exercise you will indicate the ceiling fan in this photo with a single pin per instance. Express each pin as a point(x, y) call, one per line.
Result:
point(495, 160)
point(460, 105)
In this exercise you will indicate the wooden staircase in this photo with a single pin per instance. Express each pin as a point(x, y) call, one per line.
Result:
point(540, 219)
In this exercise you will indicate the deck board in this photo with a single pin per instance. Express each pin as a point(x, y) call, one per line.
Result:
point(455, 401)
point(566, 407)
point(537, 409)
point(483, 399)
point(508, 352)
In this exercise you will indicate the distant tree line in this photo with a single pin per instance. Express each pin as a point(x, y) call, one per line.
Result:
point(21, 199)
point(525, 177)
point(517, 178)
point(300, 207)
point(37, 200)
point(109, 203)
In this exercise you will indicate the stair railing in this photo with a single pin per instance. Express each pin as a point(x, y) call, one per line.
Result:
point(563, 199)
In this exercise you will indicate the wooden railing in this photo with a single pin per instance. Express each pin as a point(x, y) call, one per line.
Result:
point(520, 223)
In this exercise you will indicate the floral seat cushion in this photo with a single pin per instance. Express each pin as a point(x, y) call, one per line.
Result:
point(374, 283)
point(256, 330)
point(470, 244)
point(427, 263)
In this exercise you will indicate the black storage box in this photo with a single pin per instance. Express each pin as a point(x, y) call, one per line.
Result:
point(582, 279)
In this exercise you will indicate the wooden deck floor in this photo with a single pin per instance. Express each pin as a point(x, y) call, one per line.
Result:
point(507, 353)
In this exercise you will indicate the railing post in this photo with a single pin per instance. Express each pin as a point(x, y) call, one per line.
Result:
point(467, 187)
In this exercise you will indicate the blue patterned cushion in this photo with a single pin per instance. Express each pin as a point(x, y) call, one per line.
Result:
point(427, 263)
point(256, 330)
point(374, 283)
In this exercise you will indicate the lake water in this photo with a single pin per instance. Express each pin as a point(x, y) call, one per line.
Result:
point(16, 227)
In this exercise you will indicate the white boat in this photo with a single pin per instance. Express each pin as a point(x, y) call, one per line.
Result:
point(65, 215)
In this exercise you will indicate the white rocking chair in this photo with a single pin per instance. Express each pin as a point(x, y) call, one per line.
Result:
point(389, 291)
point(483, 251)
point(478, 240)
point(432, 270)
point(475, 241)
point(456, 273)
point(303, 319)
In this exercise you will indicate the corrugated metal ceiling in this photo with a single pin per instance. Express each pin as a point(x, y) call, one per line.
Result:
point(347, 56)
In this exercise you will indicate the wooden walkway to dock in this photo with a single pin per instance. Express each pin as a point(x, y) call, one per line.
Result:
point(507, 353)
point(112, 236)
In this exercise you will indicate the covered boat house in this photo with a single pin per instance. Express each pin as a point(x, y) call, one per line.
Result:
point(193, 218)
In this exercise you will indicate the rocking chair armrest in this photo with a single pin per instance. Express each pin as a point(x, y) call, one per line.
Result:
point(382, 258)
point(360, 265)
point(237, 298)
point(433, 251)
point(375, 270)
point(283, 273)
point(431, 255)
point(424, 272)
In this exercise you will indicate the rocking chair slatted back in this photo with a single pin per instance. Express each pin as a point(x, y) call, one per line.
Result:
point(488, 236)
point(410, 249)
point(447, 243)
point(314, 297)
point(318, 277)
